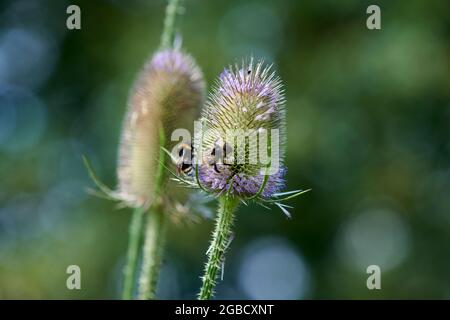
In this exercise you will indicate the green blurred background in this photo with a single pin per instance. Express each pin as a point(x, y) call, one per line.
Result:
point(368, 131)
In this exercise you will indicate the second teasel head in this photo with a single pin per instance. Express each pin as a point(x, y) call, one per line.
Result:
point(166, 94)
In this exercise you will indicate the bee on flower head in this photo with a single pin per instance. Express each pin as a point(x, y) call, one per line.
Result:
point(220, 155)
point(185, 158)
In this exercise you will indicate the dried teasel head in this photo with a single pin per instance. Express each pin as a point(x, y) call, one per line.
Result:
point(167, 91)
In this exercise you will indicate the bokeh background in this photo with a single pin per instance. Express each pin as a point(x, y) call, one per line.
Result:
point(368, 131)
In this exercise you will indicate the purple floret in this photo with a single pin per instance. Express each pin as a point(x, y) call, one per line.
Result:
point(241, 184)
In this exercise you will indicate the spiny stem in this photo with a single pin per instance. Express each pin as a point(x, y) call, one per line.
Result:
point(153, 252)
point(173, 7)
point(219, 244)
point(132, 253)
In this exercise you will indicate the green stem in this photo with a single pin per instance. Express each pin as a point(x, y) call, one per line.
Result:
point(153, 252)
point(220, 241)
point(155, 229)
point(173, 7)
point(154, 234)
point(132, 253)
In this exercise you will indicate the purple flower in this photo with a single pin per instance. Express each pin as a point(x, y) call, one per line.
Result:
point(247, 104)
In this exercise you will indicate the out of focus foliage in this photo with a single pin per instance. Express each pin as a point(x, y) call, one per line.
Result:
point(368, 131)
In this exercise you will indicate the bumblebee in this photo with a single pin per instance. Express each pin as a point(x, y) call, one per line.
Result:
point(220, 155)
point(185, 159)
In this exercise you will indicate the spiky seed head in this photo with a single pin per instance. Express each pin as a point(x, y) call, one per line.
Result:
point(247, 102)
point(169, 89)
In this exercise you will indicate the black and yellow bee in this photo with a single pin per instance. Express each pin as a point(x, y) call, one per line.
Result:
point(219, 155)
point(184, 162)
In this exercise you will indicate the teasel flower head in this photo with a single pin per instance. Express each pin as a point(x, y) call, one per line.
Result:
point(240, 152)
point(246, 104)
point(170, 88)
